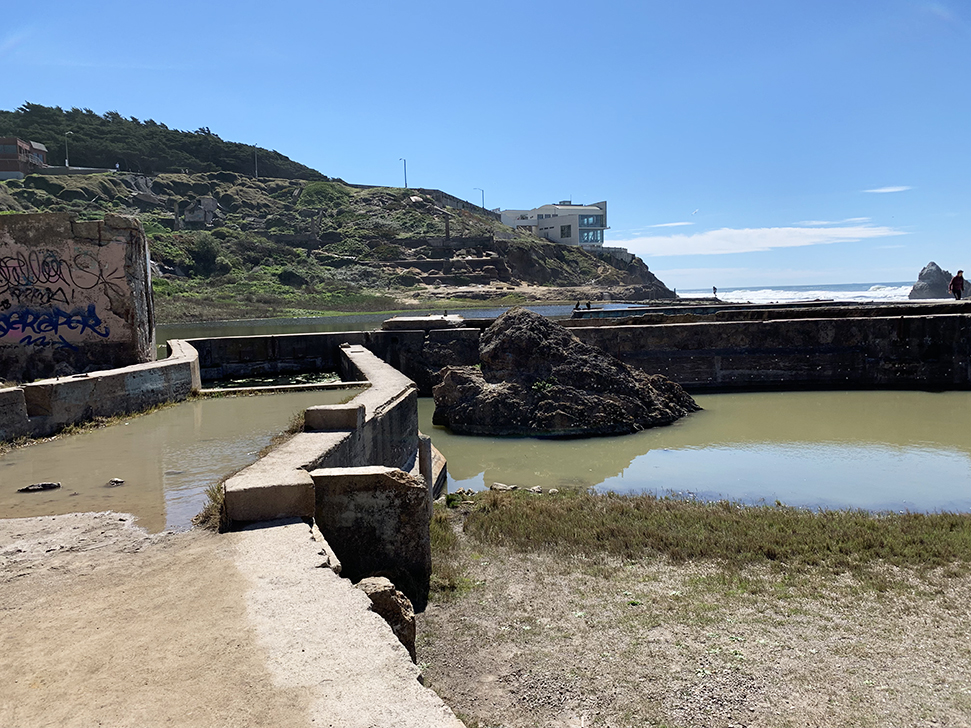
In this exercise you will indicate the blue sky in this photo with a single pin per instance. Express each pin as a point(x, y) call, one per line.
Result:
point(744, 143)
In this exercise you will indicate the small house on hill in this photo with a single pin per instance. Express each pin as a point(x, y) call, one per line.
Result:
point(19, 158)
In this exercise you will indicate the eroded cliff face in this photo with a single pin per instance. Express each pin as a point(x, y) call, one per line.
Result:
point(536, 378)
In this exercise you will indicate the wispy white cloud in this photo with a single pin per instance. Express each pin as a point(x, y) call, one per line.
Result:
point(816, 223)
point(10, 41)
point(884, 190)
point(751, 240)
point(670, 224)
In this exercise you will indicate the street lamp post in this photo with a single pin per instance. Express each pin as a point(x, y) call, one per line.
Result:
point(483, 195)
point(256, 167)
point(405, 165)
point(67, 157)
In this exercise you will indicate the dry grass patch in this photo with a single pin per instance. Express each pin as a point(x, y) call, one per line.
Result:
point(732, 534)
point(568, 619)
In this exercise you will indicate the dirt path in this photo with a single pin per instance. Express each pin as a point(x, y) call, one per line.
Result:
point(545, 642)
point(103, 624)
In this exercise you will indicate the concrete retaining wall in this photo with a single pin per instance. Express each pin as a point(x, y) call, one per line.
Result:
point(244, 356)
point(926, 352)
point(736, 347)
point(416, 354)
point(42, 408)
point(368, 448)
point(376, 520)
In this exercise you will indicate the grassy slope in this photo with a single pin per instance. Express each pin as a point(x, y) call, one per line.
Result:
point(292, 247)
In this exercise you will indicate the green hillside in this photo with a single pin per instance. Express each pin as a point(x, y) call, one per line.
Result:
point(226, 245)
point(146, 147)
point(277, 247)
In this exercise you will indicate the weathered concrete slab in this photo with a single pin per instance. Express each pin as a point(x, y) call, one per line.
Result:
point(13, 414)
point(321, 636)
point(376, 520)
point(334, 417)
point(279, 484)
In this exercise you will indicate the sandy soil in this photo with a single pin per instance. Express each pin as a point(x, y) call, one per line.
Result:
point(542, 641)
point(526, 292)
point(102, 624)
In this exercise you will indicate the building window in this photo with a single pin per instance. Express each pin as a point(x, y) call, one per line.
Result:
point(565, 231)
point(591, 221)
point(591, 236)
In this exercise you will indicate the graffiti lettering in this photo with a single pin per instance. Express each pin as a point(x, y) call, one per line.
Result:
point(38, 296)
point(52, 321)
point(41, 342)
point(37, 268)
point(46, 268)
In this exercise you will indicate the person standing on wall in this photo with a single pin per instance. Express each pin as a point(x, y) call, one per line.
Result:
point(956, 287)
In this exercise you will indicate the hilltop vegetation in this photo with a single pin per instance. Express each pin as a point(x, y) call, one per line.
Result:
point(145, 147)
point(278, 247)
point(228, 245)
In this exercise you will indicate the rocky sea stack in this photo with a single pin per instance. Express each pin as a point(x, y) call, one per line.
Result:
point(536, 378)
point(933, 282)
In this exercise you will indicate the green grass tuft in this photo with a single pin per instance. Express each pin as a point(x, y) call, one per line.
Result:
point(213, 514)
point(449, 575)
point(634, 527)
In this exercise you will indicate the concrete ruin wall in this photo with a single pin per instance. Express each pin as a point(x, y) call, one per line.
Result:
point(906, 351)
point(376, 520)
point(75, 296)
point(914, 346)
point(416, 354)
point(43, 407)
point(370, 442)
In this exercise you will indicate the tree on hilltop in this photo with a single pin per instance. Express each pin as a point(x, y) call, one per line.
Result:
point(148, 147)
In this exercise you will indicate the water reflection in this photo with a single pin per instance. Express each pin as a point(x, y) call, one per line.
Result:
point(167, 459)
point(871, 450)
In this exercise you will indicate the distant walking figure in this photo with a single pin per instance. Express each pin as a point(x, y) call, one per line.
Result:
point(957, 285)
point(714, 292)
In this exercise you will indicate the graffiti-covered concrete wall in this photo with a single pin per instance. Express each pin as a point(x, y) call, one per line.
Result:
point(75, 296)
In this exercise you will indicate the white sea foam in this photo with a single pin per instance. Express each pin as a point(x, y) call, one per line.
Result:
point(881, 292)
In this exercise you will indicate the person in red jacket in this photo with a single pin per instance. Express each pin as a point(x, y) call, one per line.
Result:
point(957, 285)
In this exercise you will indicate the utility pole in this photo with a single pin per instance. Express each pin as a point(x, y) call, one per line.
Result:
point(67, 157)
point(405, 163)
point(256, 168)
point(483, 195)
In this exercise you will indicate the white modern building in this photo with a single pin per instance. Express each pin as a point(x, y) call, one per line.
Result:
point(564, 223)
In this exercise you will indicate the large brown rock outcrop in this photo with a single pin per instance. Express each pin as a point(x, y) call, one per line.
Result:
point(536, 378)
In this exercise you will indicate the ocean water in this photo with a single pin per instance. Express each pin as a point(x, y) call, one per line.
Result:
point(878, 292)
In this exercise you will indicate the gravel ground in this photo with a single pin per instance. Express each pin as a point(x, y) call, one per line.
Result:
point(543, 641)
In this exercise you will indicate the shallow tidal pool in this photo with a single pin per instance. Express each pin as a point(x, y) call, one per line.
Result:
point(878, 451)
